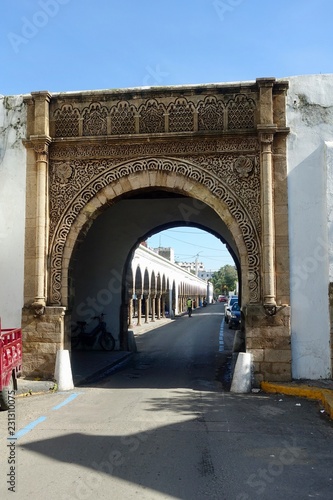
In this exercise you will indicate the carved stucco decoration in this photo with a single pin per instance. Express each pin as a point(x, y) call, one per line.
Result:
point(243, 166)
point(130, 150)
point(211, 113)
point(82, 178)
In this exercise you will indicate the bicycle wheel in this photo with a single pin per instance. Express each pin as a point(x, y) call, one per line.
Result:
point(107, 342)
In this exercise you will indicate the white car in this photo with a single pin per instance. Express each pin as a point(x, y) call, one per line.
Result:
point(227, 309)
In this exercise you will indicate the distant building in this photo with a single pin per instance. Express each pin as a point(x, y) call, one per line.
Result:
point(192, 267)
point(205, 275)
point(165, 252)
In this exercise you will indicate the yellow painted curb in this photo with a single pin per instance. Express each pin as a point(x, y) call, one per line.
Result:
point(325, 396)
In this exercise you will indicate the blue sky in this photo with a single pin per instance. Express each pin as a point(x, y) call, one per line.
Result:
point(68, 45)
point(190, 243)
point(63, 45)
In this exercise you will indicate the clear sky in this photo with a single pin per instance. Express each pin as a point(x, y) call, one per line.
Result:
point(69, 45)
point(63, 45)
point(190, 243)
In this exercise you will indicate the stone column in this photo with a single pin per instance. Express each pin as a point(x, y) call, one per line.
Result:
point(130, 312)
point(153, 307)
point(147, 300)
point(42, 325)
point(38, 141)
point(163, 305)
point(41, 149)
point(139, 309)
point(268, 230)
point(158, 306)
point(266, 129)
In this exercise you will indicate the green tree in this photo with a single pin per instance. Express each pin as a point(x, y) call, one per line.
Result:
point(224, 280)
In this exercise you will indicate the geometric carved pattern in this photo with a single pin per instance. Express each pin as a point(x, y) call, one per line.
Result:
point(211, 114)
point(228, 166)
point(240, 145)
point(152, 117)
point(241, 113)
point(217, 185)
point(66, 121)
point(181, 116)
point(94, 120)
point(122, 119)
point(208, 113)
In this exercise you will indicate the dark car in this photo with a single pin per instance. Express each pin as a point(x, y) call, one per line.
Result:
point(235, 316)
point(227, 308)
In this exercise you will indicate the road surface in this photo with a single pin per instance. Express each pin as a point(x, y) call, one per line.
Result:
point(164, 428)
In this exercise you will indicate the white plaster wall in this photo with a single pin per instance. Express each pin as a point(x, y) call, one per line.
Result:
point(12, 208)
point(329, 163)
point(310, 185)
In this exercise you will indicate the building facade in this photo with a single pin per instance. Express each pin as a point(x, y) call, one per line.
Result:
point(86, 176)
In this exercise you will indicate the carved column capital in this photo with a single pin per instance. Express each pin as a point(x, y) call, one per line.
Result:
point(266, 138)
point(40, 144)
point(266, 133)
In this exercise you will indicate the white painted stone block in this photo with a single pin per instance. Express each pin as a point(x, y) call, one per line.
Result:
point(63, 371)
point(241, 380)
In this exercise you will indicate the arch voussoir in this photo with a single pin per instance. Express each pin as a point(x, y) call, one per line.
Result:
point(138, 176)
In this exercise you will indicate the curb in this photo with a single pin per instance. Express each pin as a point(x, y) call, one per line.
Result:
point(103, 372)
point(28, 388)
point(325, 396)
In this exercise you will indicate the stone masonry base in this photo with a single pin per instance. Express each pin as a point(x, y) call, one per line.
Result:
point(268, 339)
point(42, 336)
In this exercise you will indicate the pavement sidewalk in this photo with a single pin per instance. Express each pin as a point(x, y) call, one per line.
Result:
point(88, 366)
point(320, 390)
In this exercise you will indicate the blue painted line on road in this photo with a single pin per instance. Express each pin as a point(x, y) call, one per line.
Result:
point(68, 400)
point(27, 428)
point(221, 337)
point(33, 424)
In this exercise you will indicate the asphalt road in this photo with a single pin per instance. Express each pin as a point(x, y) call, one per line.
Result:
point(164, 428)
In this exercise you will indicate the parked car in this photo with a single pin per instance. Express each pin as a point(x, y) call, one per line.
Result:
point(235, 316)
point(222, 298)
point(227, 309)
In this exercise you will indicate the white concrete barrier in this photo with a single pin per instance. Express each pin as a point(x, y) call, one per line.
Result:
point(242, 377)
point(63, 371)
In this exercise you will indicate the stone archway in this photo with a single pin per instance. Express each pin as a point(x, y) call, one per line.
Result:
point(223, 146)
point(137, 175)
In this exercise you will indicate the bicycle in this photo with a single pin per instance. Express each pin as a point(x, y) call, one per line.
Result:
point(105, 339)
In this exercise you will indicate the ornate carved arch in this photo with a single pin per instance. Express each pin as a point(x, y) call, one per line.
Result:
point(117, 179)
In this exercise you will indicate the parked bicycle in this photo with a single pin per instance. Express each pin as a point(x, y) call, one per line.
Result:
point(88, 339)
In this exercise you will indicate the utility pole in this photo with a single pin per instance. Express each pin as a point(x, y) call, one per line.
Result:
point(196, 263)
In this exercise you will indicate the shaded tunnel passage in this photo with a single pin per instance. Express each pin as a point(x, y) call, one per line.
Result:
point(100, 263)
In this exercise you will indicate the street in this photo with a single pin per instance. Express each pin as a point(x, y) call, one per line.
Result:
point(164, 428)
